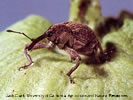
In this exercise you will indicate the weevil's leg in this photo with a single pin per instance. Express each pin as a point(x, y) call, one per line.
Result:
point(49, 45)
point(28, 58)
point(96, 57)
point(74, 56)
point(37, 46)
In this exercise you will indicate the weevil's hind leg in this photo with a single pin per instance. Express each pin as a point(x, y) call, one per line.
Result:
point(101, 53)
point(73, 69)
point(74, 56)
point(97, 57)
point(37, 46)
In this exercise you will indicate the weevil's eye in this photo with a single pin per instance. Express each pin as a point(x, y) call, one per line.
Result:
point(50, 34)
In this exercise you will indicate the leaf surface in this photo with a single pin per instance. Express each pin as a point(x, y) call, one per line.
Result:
point(48, 74)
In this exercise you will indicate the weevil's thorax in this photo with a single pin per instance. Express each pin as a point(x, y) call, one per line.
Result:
point(60, 35)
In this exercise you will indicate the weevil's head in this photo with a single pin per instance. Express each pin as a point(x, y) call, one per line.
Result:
point(52, 33)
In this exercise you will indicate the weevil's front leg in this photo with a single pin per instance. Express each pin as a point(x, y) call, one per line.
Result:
point(37, 46)
point(74, 56)
point(28, 58)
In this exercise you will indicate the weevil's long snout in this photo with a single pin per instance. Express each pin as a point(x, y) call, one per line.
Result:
point(37, 40)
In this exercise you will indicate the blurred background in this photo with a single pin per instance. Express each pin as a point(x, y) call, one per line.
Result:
point(54, 10)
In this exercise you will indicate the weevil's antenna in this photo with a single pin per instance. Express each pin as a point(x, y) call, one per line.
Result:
point(20, 33)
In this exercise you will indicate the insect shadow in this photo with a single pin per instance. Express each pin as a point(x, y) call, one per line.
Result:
point(108, 55)
point(49, 58)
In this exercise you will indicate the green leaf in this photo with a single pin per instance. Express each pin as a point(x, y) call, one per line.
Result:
point(48, 73)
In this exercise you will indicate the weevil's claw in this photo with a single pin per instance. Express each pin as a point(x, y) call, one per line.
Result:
point(24, 67)
point(71, 79)
point(20, 68)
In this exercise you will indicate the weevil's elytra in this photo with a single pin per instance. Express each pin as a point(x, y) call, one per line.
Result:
point(73, 37)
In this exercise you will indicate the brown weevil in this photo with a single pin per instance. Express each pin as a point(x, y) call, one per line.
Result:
point(73, 37)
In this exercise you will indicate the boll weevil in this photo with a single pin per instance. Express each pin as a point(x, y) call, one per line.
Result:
point(73, 37)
